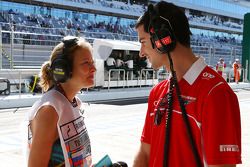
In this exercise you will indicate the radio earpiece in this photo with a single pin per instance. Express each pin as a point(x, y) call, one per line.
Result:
point(61, 66)
point(161, 32)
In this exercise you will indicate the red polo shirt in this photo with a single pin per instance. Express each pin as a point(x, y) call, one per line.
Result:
point(214, 116)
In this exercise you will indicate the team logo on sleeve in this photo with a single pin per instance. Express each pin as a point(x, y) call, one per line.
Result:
point(229, 148)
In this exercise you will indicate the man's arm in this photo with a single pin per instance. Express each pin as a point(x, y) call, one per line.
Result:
point(224, 100)
point(142, 157)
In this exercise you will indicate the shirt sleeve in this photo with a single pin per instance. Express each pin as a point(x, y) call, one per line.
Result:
point(221, 129)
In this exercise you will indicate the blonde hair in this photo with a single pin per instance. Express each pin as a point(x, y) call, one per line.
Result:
point(46, 78)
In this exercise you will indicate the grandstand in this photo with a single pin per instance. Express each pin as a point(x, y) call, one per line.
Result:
point(30, 29)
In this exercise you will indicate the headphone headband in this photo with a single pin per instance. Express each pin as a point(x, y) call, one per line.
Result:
point(167, 21)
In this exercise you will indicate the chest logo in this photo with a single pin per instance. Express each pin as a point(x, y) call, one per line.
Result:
point(188, 99)
point(207, 76)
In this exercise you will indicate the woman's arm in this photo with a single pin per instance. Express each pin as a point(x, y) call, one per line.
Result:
point(44, 133)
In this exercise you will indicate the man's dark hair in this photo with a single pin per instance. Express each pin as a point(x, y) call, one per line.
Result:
point(176, 17)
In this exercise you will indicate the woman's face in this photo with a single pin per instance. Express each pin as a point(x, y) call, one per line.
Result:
point(83, 69)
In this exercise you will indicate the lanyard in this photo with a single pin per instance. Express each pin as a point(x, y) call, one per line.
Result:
point(60, 89)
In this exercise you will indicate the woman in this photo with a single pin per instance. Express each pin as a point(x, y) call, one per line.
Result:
point(57, 133)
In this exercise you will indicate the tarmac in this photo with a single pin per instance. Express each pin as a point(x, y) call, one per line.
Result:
point(113, 129)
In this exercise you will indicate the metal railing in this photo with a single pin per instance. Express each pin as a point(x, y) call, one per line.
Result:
point(118, 78)
point(146, 71)
point(18, 77)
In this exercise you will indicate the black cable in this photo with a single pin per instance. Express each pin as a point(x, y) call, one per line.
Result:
point(168, 122)
point(174, 83)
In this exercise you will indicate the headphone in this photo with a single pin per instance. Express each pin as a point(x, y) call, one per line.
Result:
point(61, 66)
point(162, 36)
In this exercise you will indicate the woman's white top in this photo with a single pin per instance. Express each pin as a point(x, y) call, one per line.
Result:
point(71, 128)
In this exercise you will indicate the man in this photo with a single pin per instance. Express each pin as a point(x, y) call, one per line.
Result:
point(195, 122)
point(119, 61)
point(110, 64)
point(129, 67)
point(237, 70)
point(220, 66)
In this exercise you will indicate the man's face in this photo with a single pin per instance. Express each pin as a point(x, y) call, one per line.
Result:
point(157, 60)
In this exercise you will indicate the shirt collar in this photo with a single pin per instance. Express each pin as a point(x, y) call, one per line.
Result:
point(194, 71)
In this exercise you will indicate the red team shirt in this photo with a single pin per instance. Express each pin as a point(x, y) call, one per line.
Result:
point(214, 116)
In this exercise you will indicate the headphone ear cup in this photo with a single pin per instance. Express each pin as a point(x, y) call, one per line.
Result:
point(61, 70)
point(167, 39)
point(162, 36)
point(163, 40)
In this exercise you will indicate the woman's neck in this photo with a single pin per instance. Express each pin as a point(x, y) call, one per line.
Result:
point(69, 92)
